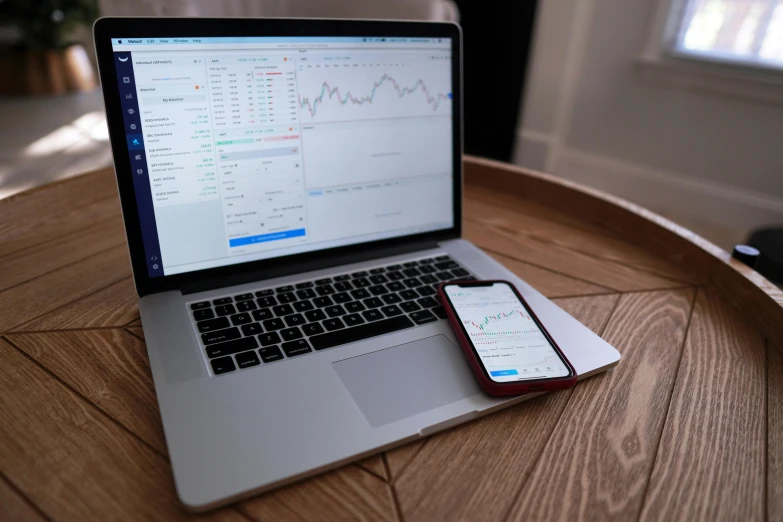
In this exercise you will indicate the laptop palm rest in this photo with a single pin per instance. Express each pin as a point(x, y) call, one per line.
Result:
point(398, 382)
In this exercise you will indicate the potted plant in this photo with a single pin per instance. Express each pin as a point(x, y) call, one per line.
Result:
point(38, 54)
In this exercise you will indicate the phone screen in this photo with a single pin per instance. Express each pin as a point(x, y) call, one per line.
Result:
point(509, 343)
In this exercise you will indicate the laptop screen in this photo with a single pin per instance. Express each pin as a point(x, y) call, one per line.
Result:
point(251, 148)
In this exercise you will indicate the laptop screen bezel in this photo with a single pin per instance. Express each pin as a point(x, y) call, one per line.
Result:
point(107, 28)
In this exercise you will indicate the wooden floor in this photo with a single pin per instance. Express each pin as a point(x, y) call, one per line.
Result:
point(689, 426)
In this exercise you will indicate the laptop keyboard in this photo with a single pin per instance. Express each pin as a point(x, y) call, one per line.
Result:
point(272, 324)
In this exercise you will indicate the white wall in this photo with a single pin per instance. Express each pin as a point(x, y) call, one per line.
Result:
point(590, 114)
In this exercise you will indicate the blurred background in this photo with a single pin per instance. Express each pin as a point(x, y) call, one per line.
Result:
point(673, 104)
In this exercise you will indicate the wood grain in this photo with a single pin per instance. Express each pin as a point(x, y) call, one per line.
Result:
point(115, 305)
point(774, 434)
point(399, 458)
point(49, 292)
point(375, 466)
point(549, 283)
point(596, 464)
point(71, 460)
point(474, 471)
point(14, 507)
point(710, 465)
point(107, 367)
point(511, 243)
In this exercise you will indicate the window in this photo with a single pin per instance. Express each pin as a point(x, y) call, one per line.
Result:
point(743, 32)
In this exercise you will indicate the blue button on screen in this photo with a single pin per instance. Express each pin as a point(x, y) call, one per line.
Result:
point(263, 238)
point(501, 373)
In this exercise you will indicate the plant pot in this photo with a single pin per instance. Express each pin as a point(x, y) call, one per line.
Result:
point(34, 72)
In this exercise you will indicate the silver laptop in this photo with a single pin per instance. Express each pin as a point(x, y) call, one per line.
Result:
point(291, 191)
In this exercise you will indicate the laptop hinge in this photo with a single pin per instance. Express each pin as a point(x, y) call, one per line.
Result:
point(298, 268)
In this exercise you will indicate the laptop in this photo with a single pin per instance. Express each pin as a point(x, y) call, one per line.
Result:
point(292, 198)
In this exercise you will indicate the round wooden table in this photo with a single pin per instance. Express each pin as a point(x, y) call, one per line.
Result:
point(689, 426)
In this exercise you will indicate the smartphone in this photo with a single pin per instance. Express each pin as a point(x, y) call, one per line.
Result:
point(506, 345)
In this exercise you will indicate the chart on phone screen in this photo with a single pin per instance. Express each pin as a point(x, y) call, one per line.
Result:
point(510, 344)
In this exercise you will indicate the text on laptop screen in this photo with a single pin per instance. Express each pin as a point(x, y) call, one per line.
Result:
point(251, 148)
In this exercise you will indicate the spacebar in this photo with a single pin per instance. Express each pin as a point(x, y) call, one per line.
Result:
point(357, 333)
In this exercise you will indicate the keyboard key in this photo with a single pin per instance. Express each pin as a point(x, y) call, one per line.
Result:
point(222, 301)
point(412, 283)
point(270, 354)
point(409, 294)
point(361, 273)
point(303, 306)
point(342, 297)
point(460, 272)
point(343, 286)
point(324, 290)
point(286, 297)
point(427, 302)
point(410, 264)
point(395, 286)
point(306, 284)
point(423, 317)
point(378, 290)
point(260, 315)
point(241, 319)
point(446, 265)
point(344, 277)
point(315, 315)
point(284, 289)
point(281, 310)
point(360, 293)
point(295, 320)
point(225, 310)
point(313, 329)
point(307, 293)
point(361, 282)
point(320, 302)
point(200, 306)
point(411, 272)
point(333, 324)
point(334, 311)
point(395, 276)
point(252, 329)
point(213, 324)
point(223, 365)
point(445, 276)
point(220, 336)
point(429, 279)
point(391, 299)
point(375, 271)
point(439, 311)
point(354, 306)
point(324, 281)
point(289, 334)
point(426, 269)
point(269, 338)
point(391, 311)
point(424, 291)
point(394, 267)
point(243, 297)
point(372, 315)
point(247, 359)
point(265, 302)
point(237, 345)
point(273, 324)
point(409, 306)
point(200, 315)
point(427, 261)
point(373, 302)
point(246, 306)
point(443, 258)
point(360, 332)
point(353, 319)
point(294, 348)
point(265, 293)
point(378, 279)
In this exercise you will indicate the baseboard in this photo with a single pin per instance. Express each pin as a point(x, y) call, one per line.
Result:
point(664, 192)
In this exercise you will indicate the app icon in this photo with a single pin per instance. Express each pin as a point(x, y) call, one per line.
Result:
point(125, 79)
point(135, 141)
point(133, 126)
point(131, 111)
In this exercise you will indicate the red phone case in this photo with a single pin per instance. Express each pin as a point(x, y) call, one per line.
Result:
point(487, 384)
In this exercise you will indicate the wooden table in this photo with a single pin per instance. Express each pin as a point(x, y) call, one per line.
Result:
point(689, 426)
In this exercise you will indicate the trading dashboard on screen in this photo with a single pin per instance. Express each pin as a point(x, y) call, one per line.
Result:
point(251, 148)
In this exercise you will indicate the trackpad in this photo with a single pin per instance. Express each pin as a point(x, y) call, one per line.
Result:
point(404, 380)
